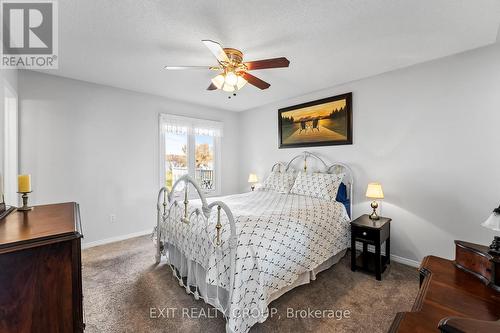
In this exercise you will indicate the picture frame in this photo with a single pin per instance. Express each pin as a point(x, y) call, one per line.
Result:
point(323, 122)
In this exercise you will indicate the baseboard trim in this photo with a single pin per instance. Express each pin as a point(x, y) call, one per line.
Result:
point(398, 259)
point(115, 239)
point(405, 261)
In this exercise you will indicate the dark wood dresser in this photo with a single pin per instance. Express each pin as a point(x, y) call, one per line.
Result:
point(40, 270)
point(458, 296)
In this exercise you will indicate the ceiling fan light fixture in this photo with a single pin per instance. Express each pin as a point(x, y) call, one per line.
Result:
point(240, 82)
point(231, 79)
point(233, 71)
point(228, 88)
point(218, 81)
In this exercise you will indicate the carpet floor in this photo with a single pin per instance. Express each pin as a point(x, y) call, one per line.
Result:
point(124, 290)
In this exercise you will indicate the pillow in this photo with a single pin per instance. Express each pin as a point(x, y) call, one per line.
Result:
point(319, 185)
point(280, 182)
point(343, 198)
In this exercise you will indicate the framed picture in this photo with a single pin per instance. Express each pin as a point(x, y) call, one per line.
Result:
point(324, 122)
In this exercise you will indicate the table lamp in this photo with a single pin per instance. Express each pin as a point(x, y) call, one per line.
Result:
point(493, 223)
point(252, 179)
point(374, 191)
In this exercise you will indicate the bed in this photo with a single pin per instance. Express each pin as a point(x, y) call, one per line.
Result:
point(241, 252)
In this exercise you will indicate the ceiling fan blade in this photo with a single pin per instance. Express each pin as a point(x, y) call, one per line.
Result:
point(176, 68)
point(216, 50)
point(255, 81)
point(212, 87)
point(267, 63)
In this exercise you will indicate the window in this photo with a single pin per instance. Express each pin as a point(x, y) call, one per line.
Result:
point(204, 161)
point(190, 146)
point(176, 157)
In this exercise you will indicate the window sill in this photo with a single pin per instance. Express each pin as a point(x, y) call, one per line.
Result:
point(210, 194)
point(179, 196)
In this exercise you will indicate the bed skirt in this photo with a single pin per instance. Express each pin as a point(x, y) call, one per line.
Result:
point(307, 277)
point(192, 277)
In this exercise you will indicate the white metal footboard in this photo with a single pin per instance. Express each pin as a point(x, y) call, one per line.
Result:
point(170, 211)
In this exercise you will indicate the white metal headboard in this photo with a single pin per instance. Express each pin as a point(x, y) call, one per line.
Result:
point(336, 167)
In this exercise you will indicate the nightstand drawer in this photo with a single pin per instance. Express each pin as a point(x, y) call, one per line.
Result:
point(365, 233)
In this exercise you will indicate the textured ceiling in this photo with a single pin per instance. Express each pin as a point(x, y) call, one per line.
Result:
point(126, 43)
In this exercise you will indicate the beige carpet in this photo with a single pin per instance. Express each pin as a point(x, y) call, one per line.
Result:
point(121, 284)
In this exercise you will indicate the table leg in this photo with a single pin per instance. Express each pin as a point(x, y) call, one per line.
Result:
point(365, 255)
point(388, 250)
point(353, 254)
point(378, 262)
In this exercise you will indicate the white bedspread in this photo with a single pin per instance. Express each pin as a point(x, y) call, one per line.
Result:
point(279, 237)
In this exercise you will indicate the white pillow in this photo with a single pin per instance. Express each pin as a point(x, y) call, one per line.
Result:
point(280, 182)
point(319, 185)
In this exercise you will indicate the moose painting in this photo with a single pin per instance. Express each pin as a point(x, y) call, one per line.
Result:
point(323, 122)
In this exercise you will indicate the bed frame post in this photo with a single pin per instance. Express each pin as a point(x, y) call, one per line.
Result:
point(159, 214)
point(218, 226)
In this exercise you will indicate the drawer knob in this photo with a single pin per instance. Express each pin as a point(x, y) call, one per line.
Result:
point(364, 233)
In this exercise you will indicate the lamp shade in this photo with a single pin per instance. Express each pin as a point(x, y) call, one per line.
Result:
point(493, 222)
point(241, 82)
point(252, 178)
point(218, 81)
point(231, 78)
point(374, 191)
point(228, 87)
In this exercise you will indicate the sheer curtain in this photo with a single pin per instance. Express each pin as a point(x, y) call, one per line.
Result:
point(191, 126)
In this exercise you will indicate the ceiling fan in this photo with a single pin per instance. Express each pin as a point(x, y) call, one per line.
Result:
point(234, 72)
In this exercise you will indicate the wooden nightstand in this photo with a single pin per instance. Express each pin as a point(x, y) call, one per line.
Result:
point(371, 232)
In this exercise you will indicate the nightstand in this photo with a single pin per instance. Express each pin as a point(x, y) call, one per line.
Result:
point(371, 232)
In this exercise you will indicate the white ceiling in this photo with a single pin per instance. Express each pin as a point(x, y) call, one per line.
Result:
point(126, 43)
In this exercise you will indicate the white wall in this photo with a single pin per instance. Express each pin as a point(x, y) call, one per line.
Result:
point(8, 80)
point(98, 146)
point(429, 133)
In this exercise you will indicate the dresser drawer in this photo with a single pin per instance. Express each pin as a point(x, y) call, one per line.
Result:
point(365, 233)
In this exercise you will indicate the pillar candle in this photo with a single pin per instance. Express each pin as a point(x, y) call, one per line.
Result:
point(24, 183)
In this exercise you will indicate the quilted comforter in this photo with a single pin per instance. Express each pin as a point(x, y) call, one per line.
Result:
point(279, 237)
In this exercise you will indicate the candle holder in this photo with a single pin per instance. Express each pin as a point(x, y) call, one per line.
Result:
point(25, 206)
point(3, 207)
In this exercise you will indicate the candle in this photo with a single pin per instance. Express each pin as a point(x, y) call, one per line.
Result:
point(24, 183)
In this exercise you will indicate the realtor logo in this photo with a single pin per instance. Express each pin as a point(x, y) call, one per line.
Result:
point(29, 34)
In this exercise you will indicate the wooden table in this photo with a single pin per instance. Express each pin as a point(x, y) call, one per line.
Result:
point(448, 291)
